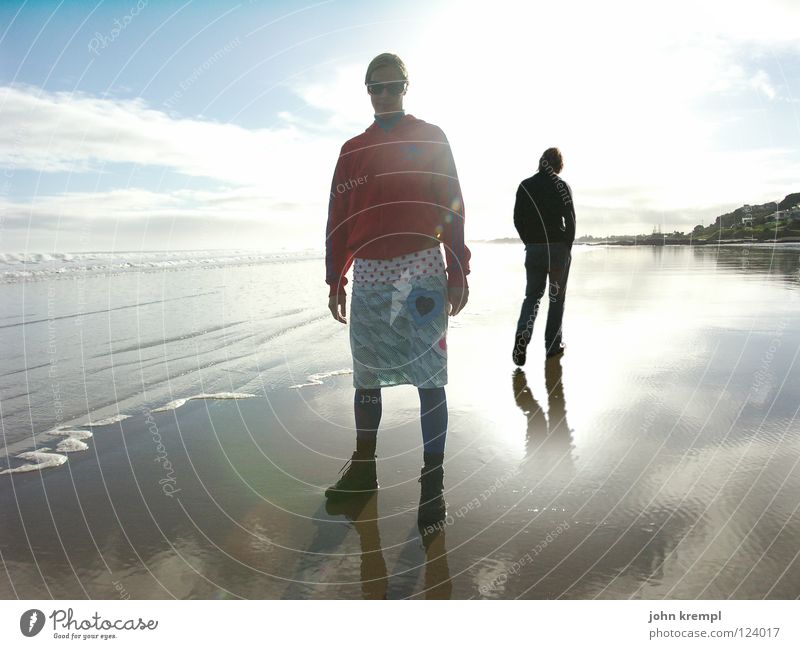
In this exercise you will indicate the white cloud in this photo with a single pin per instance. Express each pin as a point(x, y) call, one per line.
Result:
point(155, 220)
point(761, 81)
point(72, 131)
point(134, 203)
point(271, 178)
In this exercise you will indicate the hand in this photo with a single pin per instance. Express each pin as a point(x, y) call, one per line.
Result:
point(457, 296)
point(338, 307)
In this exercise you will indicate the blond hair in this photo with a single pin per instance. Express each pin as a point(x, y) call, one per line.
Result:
point(383, 60)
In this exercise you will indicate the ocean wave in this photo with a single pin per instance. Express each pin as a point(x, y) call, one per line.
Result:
point(177, 403)
point(318, 379)
point(33, 266)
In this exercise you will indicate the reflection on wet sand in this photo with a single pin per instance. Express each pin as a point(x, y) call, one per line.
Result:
point(363, 513)
point(437, 571)
point(548, 437)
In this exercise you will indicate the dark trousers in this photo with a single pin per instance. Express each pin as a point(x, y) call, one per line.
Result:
point(543, 261)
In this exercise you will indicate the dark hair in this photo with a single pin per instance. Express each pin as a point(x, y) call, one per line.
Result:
point(551, 161)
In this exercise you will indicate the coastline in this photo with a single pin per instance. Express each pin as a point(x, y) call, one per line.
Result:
point(669, 242)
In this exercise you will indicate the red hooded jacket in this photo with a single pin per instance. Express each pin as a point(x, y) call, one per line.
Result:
point(395, 192)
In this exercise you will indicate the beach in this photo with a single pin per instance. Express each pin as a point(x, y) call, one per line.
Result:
point(658, 458)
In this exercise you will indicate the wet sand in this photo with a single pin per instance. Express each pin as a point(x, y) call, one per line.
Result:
point(657, 459)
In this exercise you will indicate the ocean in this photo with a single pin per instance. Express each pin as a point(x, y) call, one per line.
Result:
point(91, 338)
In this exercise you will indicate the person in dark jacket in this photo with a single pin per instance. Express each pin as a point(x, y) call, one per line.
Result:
point(544, 216)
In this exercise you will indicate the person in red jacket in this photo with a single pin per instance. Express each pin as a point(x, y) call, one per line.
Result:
point(395, 199)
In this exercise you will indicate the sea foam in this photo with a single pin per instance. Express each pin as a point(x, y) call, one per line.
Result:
point(177, 403)
point(113, 419)
point(43, 458)
point(71, 445)
point(317, 379)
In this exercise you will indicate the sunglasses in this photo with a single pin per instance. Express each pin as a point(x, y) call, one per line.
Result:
point(392, 87)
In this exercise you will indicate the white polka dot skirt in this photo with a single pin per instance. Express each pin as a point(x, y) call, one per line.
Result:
point(375, 272)
point(398, 320)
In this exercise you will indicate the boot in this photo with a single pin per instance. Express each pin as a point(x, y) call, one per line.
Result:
point(519, 353)
point(359, 478)
point(556, 350)
point(432, 507)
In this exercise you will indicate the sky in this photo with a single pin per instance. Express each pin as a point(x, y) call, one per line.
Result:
point(195, 125)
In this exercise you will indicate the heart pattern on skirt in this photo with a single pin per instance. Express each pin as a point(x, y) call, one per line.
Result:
point(424, 305)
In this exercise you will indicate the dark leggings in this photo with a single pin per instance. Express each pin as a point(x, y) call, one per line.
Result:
point(432, 410)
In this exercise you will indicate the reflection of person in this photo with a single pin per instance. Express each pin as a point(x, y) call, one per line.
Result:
point(395, 197)
point(544, 216)
point(549, 438)
point(437, 571)
point(362, 511)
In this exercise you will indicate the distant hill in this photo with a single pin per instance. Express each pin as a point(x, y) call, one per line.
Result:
point(745, 223)
point(790, 201)
point(757, 211)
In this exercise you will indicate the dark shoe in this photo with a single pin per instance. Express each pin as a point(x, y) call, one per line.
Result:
point(359, 478)
point(432, 507)
point(557, 351)
point(518, 355)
